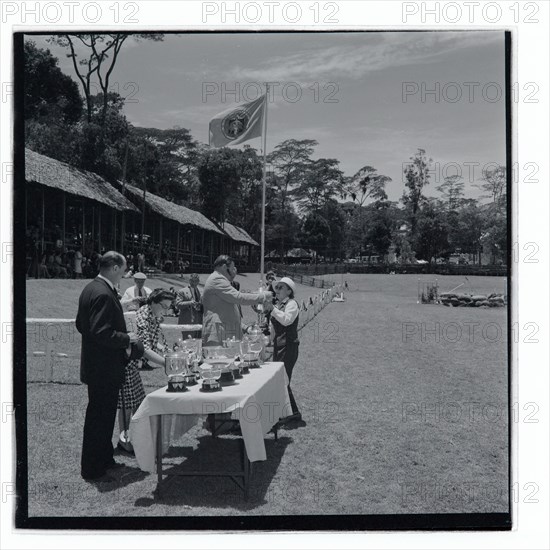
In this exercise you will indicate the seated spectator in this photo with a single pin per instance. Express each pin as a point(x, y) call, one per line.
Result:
point(51, 263)
point(61, 269)
point(42, 268)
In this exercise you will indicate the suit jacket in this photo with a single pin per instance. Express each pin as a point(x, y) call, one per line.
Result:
point(237, 286)
point(101, 322)
point(188, 315)
point(222, 318)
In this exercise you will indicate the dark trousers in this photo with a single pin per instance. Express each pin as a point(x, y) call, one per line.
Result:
point(97, 446)
point(288, 355)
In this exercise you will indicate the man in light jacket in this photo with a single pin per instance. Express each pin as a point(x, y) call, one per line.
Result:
point(135, 296)
point(221, 318)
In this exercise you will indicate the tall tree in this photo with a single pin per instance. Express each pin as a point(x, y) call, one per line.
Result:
point(380, 227)
point(176, 160)
point(452, 190)
point(416, 178)
point(247, 211)
point(494, 186)
point(289, 161)
point(219, 175)
point(51, 96)
point(467, 228)
point(322, 181)
point(365, 184)
point(98, 56)
point(431, 239)
point(315, 232)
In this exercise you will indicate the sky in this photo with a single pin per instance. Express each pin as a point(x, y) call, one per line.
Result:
point(351, 88)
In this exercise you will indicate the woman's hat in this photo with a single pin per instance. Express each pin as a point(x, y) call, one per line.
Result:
point(288, 282)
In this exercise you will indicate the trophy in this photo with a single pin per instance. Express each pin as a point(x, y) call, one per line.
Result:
point(234, 351)
point(251, 347)
point(215, 369)
point(176, 369)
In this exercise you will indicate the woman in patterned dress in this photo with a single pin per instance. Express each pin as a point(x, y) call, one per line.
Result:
point(148, 319)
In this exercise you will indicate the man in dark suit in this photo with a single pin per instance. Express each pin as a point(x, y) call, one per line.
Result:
point(106, 347)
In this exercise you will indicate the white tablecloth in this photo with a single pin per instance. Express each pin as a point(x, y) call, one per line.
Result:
point(257, 400)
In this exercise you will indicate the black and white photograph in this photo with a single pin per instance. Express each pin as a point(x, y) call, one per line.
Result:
point(265, 279)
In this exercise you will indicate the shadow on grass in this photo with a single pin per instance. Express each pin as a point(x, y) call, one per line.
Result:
point(221, 454)
point(293, 425)
point(127, 475)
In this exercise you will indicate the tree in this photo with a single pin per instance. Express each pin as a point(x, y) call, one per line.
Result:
point(247, 206)
point(52, 106)
point(452, 190)
point(100, 55)
point(289, 160)
point(380, 227)
point(51, 97)
point(431, 240)
point(494, 185)
point(466, 229)
point(322, 181)
point(417, 177)
point(495, 232)
point(219, 175)
point(336, 219)
point(175, 166)
point(365, 184)
point(315, 232)
point(102, 142)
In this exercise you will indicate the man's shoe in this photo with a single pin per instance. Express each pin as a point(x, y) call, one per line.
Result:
point(115, 465)
point(103, 478)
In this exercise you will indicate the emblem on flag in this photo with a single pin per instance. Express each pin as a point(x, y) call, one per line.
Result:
point(238, 124)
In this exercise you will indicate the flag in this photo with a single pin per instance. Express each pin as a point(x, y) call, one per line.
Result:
point(238, 124)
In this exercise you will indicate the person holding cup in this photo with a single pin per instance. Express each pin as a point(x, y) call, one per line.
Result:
point(284, 334)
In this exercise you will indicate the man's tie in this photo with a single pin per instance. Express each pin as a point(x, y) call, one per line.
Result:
point(139, 292)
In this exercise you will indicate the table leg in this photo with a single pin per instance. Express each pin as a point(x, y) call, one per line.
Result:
point(246, 471)
point(159, 453)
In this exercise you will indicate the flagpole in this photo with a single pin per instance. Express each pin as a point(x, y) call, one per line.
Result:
point(264, 135)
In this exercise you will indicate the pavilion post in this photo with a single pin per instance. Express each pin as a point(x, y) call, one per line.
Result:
point(64, 220)
point(122, 231)
point(93, 227)
point(114, 229)
point(113, 218)
point(211, 247)
point(83, 227)
point(160, 240)
point(202, 248)
point(178, 246)
point(192, 244)
point(43, 214)
point(99, 228)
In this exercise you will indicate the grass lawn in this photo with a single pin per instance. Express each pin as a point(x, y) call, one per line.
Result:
point(404, 408)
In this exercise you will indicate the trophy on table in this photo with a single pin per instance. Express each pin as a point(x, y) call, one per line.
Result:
point(216, 368)
point(176, 369)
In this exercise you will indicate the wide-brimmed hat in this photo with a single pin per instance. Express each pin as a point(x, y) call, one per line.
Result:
point(288, 282)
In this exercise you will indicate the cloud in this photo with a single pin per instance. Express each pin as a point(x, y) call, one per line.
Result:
point(379, 51)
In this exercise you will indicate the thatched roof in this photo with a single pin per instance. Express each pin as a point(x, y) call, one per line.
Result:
point(173, 211)
point(238, 234)
point(60, 175)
